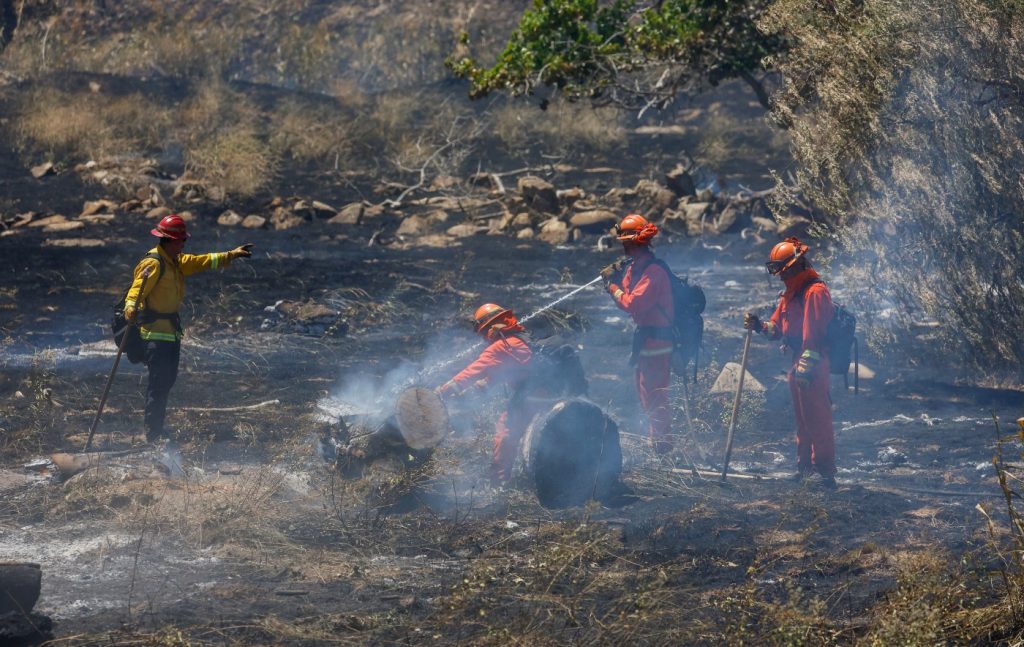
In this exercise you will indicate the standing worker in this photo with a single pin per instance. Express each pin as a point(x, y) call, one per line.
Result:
point(505, 362)
point(156, 310)
point(645, 292)
point(801, 320)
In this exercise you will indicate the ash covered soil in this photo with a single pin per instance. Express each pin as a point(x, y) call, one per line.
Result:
point(259, 541)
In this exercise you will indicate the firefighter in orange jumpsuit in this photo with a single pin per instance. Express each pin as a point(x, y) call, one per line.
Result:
point(801, 320)
point(645, 292)
point(505, 362)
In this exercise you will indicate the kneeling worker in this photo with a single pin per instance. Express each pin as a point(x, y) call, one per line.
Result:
point(155, 302)
point(801, 320)
point(505, 361)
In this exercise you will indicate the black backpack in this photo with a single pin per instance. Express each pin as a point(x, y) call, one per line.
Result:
point(134, 346)
point(688, 301)
point(841, 338)
point(555, 369)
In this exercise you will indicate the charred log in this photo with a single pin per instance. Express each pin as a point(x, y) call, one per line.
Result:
point(572, 454)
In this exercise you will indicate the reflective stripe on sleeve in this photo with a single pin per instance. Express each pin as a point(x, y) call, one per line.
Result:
point(618, 294)
point(214, 260)
point(811, 354)
point(128, 303)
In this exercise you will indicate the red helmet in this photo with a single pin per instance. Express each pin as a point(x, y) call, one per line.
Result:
point(784, 255)
point(172, 227)
point(488, 314)
point(634, 228)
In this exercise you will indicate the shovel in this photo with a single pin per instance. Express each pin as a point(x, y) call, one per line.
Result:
point(736, 404)
point(113, 370)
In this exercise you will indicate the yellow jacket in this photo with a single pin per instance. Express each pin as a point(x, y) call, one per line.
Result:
point(165, 296)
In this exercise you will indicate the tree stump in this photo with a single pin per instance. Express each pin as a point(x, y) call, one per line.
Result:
point(20, 583)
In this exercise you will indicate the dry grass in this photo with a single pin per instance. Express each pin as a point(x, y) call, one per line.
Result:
point(522, 125)
point(306, 133)
point(237, 160)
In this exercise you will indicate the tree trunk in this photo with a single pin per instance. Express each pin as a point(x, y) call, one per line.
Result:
point(758, 87)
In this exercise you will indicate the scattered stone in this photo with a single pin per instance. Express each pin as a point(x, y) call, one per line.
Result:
point(187, 216)
point(98, 206)
point(705, 195)
point(350, 214)
point(729, 378)
point(48, 221)
point(216, 193)
point(618, 197)
point(725, 220)
point(464, 230)
point(569, 197)
point(42, 170)
point(654, 197)
point(130, 205)
point(323, 209)
point(680, 181)
point(554, 232)
point(22, 219)
point(254, 222)
point(522, 219)
point(766, 225)
point(442, 182)
point(94, 87)
point(597, 221)
point(229, 219)
point(282, 218)
point(373, 211)
point(67, 225)
point(694, 213)
point(73, 242)
point(413, 226)
point(156, 213)
point(526, 233)
point(538, 193)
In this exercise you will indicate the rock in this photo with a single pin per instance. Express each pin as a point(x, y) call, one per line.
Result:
point(694, 213)
point(654, 197)
point(729, 377)
point(554, 232)
point(371, 211)
point(129, 205)
point(307, 312)
point(597, 221)
point(187, 216)
point(350, 214)
point(68, 225)
point(463, 230)
point(538, 193)
point(156, 213)
point(42, 170)
point(500, 225)
point(522, 220)
point(569, 197)
point(23, 219)
point(618, 197)
point(229, 219)
point(73, 242)
point(98, 219)
point(526, 233)
point(47, 221)
point(680, 181)
point(413, 226)
point(285, 219)
point(98, 206)
point(766, 225)
point(254, 222)
point(725, 220)
point(704, 195)
point(792, 226)
point(323, 209)
point(863, 371)
point(442, 182)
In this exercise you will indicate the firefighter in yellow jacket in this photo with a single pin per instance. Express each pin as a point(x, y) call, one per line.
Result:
point(155, 300)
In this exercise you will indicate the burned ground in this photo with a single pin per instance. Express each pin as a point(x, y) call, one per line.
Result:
point(260, 541)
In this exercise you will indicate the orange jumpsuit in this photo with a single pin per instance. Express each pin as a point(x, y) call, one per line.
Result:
point(802, 319)
point(504, 362)
point(646, 294)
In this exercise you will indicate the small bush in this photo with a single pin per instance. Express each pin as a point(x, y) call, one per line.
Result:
point(236, 160)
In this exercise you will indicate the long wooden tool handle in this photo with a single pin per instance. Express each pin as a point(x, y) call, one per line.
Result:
point(113, 370)
point(736, 404)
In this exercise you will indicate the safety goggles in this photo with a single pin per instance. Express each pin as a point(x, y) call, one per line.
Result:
point(775, 267)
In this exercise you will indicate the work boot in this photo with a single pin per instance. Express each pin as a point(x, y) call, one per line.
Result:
point(829, 482)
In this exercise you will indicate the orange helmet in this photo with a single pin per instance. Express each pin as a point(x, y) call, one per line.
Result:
point(634, 228)
point(172, 227)
point(784, 255)
point(488, 314)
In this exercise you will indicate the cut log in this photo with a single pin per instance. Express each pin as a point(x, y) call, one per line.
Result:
point(20, 583)
point(572, 454)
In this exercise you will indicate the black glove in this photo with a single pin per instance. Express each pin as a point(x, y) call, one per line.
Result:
point(608, 273)
point(751, 322)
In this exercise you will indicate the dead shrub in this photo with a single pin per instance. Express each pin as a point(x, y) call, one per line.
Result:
point(311, 134)
point(237, 160)
point(570, 126)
